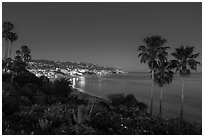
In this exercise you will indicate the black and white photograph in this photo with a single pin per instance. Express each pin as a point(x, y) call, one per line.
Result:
point(101, 68)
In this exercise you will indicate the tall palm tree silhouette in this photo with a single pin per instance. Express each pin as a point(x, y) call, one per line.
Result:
point(184, 63)
point(13, 37)
point(6, 32)
point(152, 53)
point(163, 76)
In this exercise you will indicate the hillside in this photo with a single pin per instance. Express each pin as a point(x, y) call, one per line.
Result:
point(48, 68)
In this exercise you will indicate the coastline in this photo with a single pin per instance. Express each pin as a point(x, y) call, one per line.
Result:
point(84, 95)
point(127, 119)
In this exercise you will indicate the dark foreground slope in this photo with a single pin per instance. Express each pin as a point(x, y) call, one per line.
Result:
point(33, 105)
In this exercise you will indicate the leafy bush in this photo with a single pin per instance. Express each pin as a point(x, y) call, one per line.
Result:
point(27, 77)
point(174, 127)
point(45, 125)
point(81, 117)
point(40, 98)
point(59, 114)
point(108, 123)
point(61, 87)
point(10, 105)
point(27, 91)
point(128, 102)
point(26, 121)
point(9, 89)
point(116, 99)
point(45, 79)
point(10, 99)
point(6, 77)
point(25, 100)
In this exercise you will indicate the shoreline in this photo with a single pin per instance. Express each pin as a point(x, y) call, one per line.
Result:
point(170, 105)
point(86, 95)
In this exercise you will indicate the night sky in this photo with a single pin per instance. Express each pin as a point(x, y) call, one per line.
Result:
point(102, 33)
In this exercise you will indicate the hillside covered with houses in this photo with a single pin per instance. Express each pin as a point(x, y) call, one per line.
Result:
point(56, 69)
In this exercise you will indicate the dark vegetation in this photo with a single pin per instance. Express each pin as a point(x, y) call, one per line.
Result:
point(38, 106)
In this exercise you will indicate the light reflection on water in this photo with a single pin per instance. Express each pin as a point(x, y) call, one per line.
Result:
point(81, 82)
point(140, 84)
point(74, 82)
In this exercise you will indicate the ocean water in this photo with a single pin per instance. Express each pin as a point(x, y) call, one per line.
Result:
point(139, 84)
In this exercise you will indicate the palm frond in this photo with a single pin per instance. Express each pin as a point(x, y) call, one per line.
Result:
point(164, 74)
point(13, 37)
point(142, 48)
point(194, 55)
point(185, 60)
point(144, 57)
point(153, 52)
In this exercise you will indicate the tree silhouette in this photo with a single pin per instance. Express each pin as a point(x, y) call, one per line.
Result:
point(6, 32)
point(152, 53)
point(21, 59)
point(18, 64)
point(25, 54)
point(184, 63)
point(163, 76)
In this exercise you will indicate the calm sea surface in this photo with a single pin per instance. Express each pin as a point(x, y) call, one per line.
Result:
point(139, 84)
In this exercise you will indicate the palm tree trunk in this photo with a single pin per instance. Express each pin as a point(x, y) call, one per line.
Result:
point(6, 54)
point(160, 103)
point(6, 48)
point(7, 51)
point(10, 50)
point(152, 90)
point(182, 100)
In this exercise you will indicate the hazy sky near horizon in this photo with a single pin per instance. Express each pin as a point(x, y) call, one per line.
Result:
point(102, 33)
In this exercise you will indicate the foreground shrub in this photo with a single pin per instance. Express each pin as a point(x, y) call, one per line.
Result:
point(121, 115)
point(61, 87)
point(58, 114)
point(187, 128)
point(9, 89)
point(10, 105)
point(81, 117)
point(6, 77)
point(45, 79)
point(27, 91)
point(10, 99)
point(25, 121)
point(40, 98)
point(26, 77)
point(126, 104)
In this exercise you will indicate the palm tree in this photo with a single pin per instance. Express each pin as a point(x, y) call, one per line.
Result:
point(13, 37)
point(184, 63)
point(163, 76)
point(152, 53)
point(7, 29)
